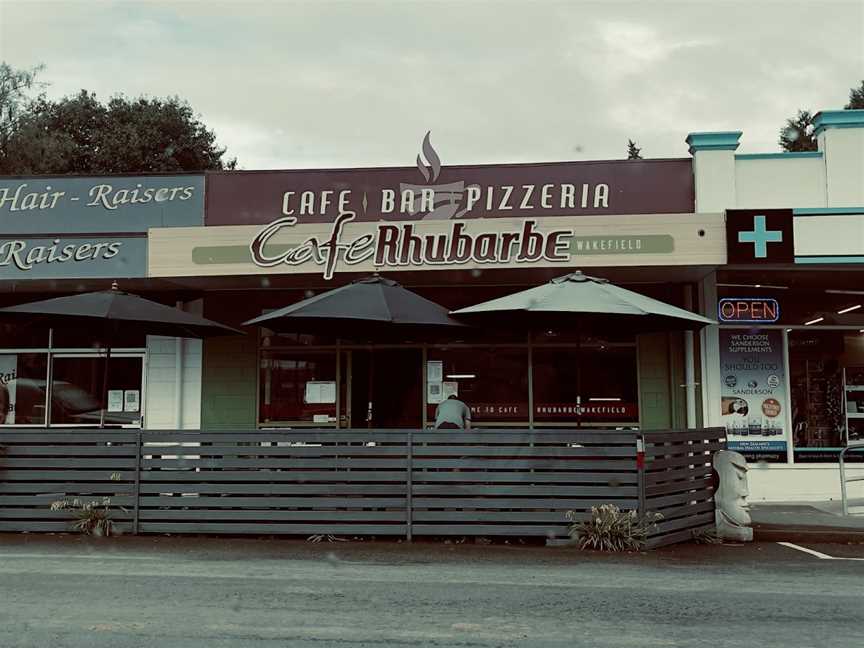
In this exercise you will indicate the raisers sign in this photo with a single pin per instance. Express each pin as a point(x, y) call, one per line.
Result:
point(90, 227)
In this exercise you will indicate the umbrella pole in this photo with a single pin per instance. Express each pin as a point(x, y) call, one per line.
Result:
point(370, 389)
point(578, 376)
point(105, 380)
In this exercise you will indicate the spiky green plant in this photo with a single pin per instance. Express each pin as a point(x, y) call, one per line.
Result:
point(611, 529)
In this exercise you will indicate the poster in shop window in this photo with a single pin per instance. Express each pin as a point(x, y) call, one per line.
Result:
point(754, 398)
point(8, 388)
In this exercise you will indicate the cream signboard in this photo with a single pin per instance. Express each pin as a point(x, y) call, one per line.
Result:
point(286, 246)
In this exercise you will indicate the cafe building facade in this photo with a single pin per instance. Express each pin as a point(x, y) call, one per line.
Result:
point(699, 232)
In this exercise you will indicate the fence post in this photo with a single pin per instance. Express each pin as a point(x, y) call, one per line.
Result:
point(409, 502)
point(137, 493)
point(640, 473)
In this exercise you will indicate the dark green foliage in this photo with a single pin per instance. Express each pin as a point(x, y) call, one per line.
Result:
point(79, 134)
point(633, 151)
point(856, 98)
point(797, 135)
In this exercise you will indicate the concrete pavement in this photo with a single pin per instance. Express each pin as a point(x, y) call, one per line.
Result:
point(73, 592)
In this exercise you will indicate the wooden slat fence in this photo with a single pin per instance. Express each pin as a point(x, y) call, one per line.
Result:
point(678, 481)
point(357, 482)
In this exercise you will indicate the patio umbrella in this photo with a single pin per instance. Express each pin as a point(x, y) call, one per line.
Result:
point(368, 309)
point(106, 312)
point(576, 300)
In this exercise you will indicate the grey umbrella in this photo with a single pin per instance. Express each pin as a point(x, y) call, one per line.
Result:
point(105, 312)
point(371, 308)
point(576, 300)
point(368, 308)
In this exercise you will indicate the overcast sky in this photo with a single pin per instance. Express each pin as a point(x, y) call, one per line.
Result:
point(289, 84)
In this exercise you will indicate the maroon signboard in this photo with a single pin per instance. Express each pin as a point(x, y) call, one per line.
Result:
point(429, 191)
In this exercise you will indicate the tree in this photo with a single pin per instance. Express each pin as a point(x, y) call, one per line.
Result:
point(797, 135)
point(856, 98)
point(79, 134)
point(633, 151)
point(15, 87)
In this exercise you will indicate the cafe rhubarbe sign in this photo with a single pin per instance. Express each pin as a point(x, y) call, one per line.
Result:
point(456, 195)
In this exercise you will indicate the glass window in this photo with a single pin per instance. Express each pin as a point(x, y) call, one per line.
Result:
point(609, 384)
point(492, 381)
point(76, 396)
point(22, 388)
point(827, 380)
point(297, 386)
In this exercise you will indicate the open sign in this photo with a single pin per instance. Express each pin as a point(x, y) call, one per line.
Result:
point(748, 309)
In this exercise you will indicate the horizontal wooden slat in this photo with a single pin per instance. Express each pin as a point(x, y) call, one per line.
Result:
point(64, 487)
point(275, 502)
point(47, 514)
point(538, 530)
point(688, 510)
point(111, 464)
point(70, 437)
point(58, 526)
point(663, 476)
point(669, 500)
point(662, 463)
point(229, 488)
point(674, 537)
point(46, 499)
point(543, 490)
point(275, 452)
point(66, 475)
point(676, 450)
point(626, 454)
point(275, 528)
point(271, 475)
point(54, 450)
point(493, 478)
point(512, 503)
point(678, 487)
point(505, 435)
point(664, 436)
point(284, 463)
point(685, 523)
point(506, 517)
point(536, 463)
point(150, 515)
point(277, 437)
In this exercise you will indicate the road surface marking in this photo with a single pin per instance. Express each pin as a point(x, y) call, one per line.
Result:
point(813, 552)
point(64, 556)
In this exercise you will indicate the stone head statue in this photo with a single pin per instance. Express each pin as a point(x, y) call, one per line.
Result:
point(732, 511)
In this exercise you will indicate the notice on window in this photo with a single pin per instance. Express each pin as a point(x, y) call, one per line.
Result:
point(115, 400)
point(320, 392)
point(434, 371)
point(8, 388)
point(451, 388)
point(754, 401)
point(434, 391)
point(131, 400)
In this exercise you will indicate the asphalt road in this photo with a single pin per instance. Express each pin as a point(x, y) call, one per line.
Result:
point(72, 592)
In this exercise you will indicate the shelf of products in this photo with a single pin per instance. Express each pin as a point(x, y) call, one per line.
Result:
point(853, 387)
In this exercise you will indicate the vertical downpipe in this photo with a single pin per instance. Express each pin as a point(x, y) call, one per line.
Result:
point(640, 473)
point(689, 363)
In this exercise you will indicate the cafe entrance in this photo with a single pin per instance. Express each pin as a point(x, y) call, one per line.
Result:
point(383, 388)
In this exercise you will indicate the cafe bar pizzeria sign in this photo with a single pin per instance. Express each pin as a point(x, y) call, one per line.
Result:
point(631, 212)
